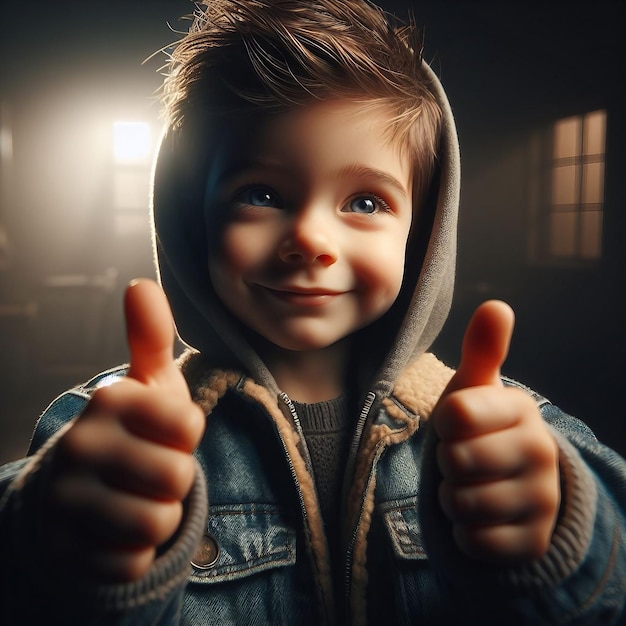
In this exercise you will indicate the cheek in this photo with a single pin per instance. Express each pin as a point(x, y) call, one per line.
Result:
point(381, 271)
point(240, 252)
point(227, 265)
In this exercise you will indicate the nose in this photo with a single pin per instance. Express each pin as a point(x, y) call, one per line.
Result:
point(309, 241)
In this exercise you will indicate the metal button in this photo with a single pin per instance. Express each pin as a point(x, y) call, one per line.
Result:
point(207, 553)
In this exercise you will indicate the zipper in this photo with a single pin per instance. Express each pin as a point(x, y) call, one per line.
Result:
point(350, 465)
point(296, 421)
point(286, 401)
point(292, 469)
point(365, 411)
point(354, 446)
point(350, 551)
point(292, 410)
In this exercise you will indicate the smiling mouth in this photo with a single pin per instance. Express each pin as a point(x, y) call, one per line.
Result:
point(311, 297)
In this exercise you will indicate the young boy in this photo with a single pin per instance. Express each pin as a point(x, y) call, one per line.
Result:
point(305, 200)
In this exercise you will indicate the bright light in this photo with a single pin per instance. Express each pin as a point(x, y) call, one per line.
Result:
point(132, 142)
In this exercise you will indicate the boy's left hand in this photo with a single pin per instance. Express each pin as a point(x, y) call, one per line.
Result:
point(498, 460)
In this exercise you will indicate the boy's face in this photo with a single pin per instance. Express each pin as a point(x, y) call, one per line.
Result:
point(318, 209)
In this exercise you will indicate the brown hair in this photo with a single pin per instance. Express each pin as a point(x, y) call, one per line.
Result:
point(274, 55)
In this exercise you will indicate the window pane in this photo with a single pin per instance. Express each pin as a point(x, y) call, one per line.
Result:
point(564, 185)
point(593, 183)
point(575, 187)
point(567, 138)
point(591, 234)
point(563, 234)
point(595, 124)
point(130, 188)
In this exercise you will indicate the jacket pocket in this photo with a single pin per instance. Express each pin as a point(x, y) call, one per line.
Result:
point(241, 540)
point(401, 521)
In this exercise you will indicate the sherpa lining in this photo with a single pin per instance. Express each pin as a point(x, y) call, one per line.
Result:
point(417, 390)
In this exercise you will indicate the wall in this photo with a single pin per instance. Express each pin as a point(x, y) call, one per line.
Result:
point(510, 69)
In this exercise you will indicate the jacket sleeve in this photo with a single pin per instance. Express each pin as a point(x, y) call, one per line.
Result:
point(34, 591)
point(582, 578)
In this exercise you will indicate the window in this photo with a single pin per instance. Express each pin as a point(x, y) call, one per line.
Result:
point(572, 215)
point(131, 143)
point(132, 147)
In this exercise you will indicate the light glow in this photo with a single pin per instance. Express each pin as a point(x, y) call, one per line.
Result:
point(132, 142)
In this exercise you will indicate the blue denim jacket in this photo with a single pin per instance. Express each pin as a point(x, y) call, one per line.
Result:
point(262, 556)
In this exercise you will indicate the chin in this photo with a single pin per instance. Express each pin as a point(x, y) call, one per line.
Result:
point(303, 345)
point(306, 342)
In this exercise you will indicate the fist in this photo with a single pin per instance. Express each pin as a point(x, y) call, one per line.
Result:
point(497, 458)
point(122, 469)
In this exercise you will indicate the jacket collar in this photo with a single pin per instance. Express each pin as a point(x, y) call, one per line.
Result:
point(411, 401)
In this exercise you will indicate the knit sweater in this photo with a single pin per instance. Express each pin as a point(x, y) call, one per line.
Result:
point(327, 429)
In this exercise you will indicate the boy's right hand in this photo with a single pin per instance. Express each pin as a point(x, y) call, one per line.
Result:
point(120, 472)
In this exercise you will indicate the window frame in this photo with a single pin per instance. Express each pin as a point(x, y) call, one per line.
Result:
point(545, 211)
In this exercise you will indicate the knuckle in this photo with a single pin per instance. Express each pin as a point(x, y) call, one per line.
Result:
point(175, 422)
point(181, 476)
point(480, 542)
point(115, 398)
point(456, 460)
point(193, 423)
point(188, 425)
point(540, 449)
point(537, 543)
point(197, 419)
point(502, 543)
point(547, 499)
point(445, 416)
point(103, 398)
point(136, 564)
point(156, 523)
point(456, 503)
point(76, 445)
point(173, 478)
point(454, 407)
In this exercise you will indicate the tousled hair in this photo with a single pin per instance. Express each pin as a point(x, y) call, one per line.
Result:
point(265, 56)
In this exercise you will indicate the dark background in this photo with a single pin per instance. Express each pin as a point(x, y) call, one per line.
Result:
point(67, 68)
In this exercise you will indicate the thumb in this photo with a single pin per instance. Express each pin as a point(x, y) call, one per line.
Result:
point(150, 334)
point(485, 346)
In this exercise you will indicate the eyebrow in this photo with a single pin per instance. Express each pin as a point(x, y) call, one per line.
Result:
point(363, 171)
point(355, 170)
point(244, 165)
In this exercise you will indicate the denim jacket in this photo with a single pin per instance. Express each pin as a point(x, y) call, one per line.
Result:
point(258, 555)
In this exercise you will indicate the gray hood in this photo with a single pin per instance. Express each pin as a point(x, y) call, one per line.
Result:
point(181, 249)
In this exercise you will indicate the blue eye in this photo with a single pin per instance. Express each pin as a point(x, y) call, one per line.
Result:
point(366, 205)
point(258, 196)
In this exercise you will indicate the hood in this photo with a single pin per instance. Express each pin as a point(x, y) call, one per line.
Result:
point(181, 250)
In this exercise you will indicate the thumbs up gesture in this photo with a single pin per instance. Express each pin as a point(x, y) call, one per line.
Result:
point(120, 472)
point(497, 458)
